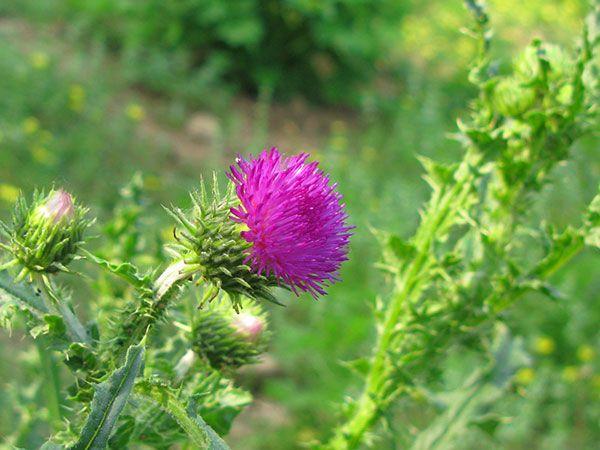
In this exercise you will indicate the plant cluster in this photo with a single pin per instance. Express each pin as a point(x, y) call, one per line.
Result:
point(470, 258)
point(123, 371)
point(154, 365)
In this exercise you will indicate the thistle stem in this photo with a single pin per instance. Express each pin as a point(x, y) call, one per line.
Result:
point(52, 384)
point(409, 286)
point(74, 327)
point(151, 309)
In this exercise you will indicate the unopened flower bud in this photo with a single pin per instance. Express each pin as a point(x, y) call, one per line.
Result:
point(226, 338)
point(57, 207)
point(248, 326)
point(45, 235)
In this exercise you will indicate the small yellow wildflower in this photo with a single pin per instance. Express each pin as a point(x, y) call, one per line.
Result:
point(76, 97)
point(135, 112)
point(31, 125)
point(8, 193)
point(39, 60)
point(585, 353)
point(306, 435)
point(152, 183)
point(570, 374)
point(525, 375)
point(339, 142)
point(544, 345)
point(42, 155)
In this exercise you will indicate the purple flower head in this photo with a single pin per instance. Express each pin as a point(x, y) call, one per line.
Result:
point(295, 219)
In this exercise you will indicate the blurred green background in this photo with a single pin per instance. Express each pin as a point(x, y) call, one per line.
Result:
point(92, 91)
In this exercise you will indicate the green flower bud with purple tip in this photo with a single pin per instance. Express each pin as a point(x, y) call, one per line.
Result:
point(58, 207)
point(228, 339)
point(44, 236)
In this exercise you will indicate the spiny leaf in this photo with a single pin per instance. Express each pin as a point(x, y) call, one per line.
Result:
point(109, 400)
point(199, 432)
point(51, 446)
point(23, 295)
point(592, 226)
point(126, 271)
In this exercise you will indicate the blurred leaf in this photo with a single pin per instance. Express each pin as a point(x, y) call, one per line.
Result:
point(23, 295)
point(592, 236)
point(470, 403)
point(201, 435)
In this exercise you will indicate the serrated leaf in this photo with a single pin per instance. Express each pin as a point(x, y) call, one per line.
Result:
point(126, 271)
point(51, 446)
point(53, 326)
point(401, 249)
point(592, 228)
point(199, 432)
point(109, 400)
point(22, 295)
point(438, 174)
point(359, 366)
point(469, 404)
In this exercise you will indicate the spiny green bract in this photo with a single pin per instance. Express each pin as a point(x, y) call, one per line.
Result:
point(43, 244)
point(226, 338)
point(210, 242)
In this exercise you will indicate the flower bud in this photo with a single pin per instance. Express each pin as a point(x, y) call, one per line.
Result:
point(45, 236)
point(211, 245)
point(226, 338)
point(248, 326)
point(57, 207)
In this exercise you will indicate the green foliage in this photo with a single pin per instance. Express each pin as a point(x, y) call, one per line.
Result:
point(497, 230)
point(472, 403)
point(463, 267)
point(323, 50)
point(109, 400)
point(200, 434)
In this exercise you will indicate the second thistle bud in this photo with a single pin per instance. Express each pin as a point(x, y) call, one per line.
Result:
point(45, 235)
point(226, 338)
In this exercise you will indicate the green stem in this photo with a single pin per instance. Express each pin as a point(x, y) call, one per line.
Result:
point(51, 383)
point(74, 327)
point(152, 309)
point(371, 404)
point(409, 285)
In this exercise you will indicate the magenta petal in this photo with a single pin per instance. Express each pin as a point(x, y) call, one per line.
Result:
point(296, 220)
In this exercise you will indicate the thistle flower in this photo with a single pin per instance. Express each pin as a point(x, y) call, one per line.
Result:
point(45, 236)
point(226, 338)
point(295, 220)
